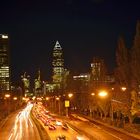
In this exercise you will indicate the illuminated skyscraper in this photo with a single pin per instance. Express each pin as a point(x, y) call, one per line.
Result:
point(58, 64)
point(4, 63)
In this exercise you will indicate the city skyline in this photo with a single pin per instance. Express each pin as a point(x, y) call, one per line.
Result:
point(84, 29)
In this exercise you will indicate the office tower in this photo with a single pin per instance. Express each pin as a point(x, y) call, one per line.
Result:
point(58, 64)
point(4, 63)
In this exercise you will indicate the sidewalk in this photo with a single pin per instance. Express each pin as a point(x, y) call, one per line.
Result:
point(122, 130)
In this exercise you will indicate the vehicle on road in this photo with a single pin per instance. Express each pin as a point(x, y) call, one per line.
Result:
point(52, 127)
point(65, 126)
point(47, 123)
point(58, 123)
point(61, 137)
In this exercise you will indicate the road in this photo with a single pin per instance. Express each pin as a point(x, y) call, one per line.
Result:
point(70, 133)
point(19, 126)
point(98, 131)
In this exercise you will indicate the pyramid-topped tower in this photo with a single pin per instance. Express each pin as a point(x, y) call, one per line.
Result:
point(58, 64)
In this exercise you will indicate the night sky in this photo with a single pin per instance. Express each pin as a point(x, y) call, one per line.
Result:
point(84, 29)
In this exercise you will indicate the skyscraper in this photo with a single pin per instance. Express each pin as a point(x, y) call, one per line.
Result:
point(98, 73)
point(4, 63)
point(58, 64)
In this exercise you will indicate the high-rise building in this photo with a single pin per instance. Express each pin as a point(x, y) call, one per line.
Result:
point(4, 63)
point(98, 69)
point(85, 77)
point(58, 64)
point(98, 73)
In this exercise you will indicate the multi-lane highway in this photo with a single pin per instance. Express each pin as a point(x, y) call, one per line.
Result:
point(20, 126)
point(57, 124)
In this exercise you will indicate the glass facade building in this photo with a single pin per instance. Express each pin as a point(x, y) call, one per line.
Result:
point(4, 63)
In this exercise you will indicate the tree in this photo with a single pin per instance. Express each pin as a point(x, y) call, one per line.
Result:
point(135, 58)
point(122, 72)
point(135, 69)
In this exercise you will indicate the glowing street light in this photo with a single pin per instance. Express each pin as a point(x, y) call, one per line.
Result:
point(47, 98)
point(92, 94)
point(57, 98)
point(112, 88)
point(7, 95)
point(103, 94)
point(70, 95)
point(15, 98)
point(123, 88)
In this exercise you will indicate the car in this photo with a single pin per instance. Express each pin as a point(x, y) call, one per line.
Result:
point(61, 137)
point(52, 127)
point(81, 137)
point(53, 119)
point(58, 123)
point(65, 126)
point(38, 116)
point(47, 123)
point(47, 112)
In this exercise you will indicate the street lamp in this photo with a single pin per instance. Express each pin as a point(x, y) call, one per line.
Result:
point(7, 96)
point(15, 98)
point(123, 88)
point(58, 99)
point(47, 98)
point(103, 94)
point(92, 94)
point(70, 95)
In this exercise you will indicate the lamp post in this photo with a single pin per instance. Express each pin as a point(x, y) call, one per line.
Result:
point(70, 95)
point(103, 95)
point(58, 99)
point(15, 103)
point(92, 103)
point(7, 96)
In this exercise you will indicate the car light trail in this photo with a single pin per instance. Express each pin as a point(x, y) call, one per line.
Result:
point(21, 119)
point(30, 122)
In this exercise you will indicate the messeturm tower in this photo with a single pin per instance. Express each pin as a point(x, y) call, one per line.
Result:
point(58, 64)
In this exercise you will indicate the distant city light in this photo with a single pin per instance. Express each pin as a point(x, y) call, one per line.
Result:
point(4, 36)
point(92, 94)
